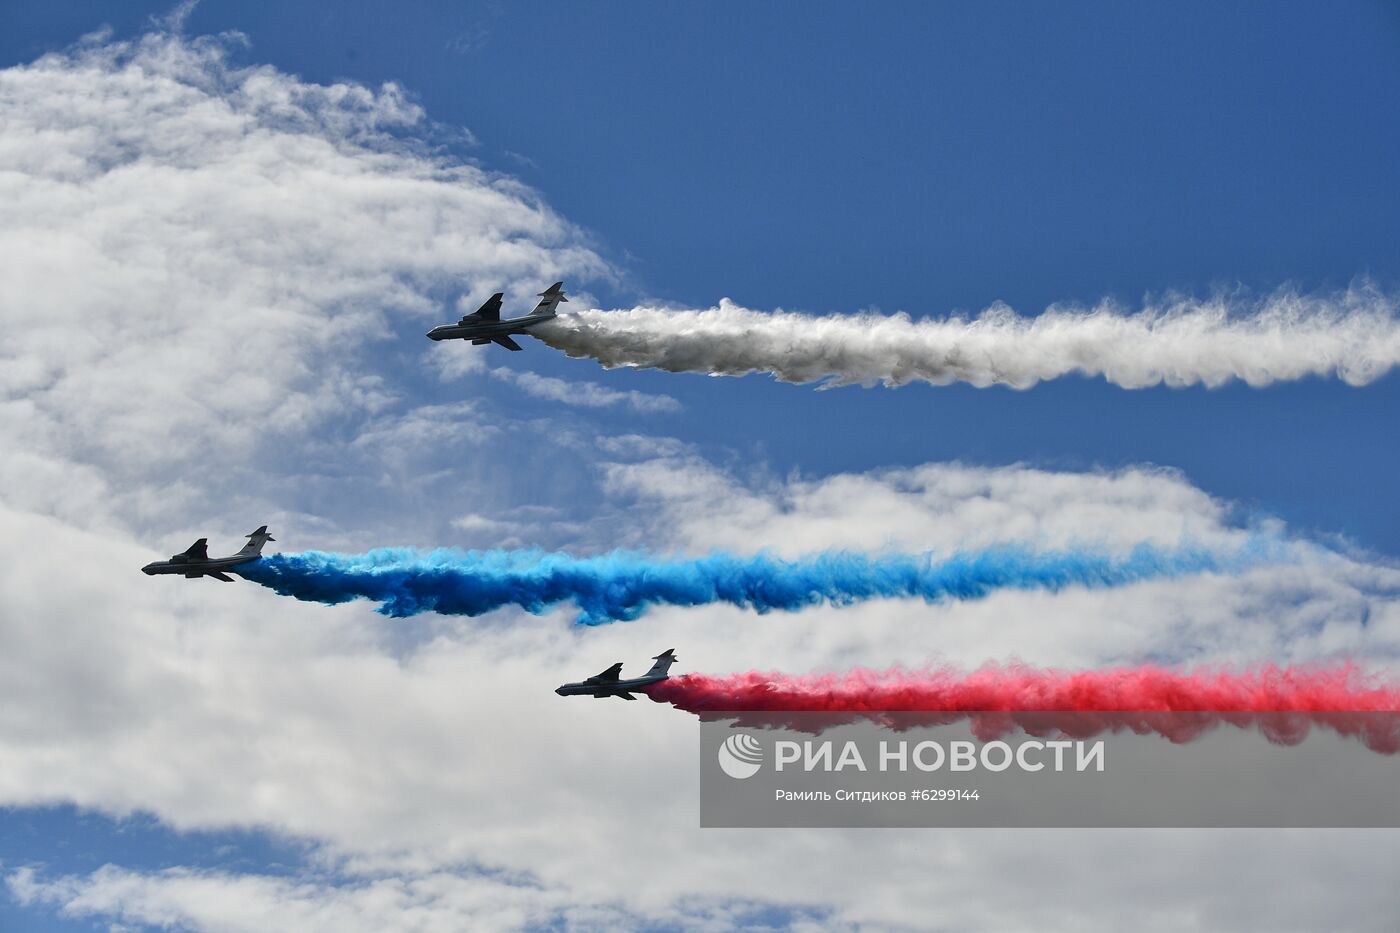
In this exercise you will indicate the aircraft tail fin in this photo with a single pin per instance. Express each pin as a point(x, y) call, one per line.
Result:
point(256, 540)
point(551, 297)
point(664, 660)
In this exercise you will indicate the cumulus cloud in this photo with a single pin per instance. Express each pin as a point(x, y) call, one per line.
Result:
point(434, 901)
point(1354, 335)
point(404, 762)
point(1234, 885)
point(196, 254)
point(935, 506)
point(584, 394)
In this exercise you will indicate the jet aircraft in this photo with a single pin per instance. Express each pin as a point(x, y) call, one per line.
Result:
point(196, 562)
point(610, 684)
point(484, 325)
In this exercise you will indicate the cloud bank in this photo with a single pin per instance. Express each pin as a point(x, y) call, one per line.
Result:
point(197, 254)
point(1354, 335)
point(584, 394)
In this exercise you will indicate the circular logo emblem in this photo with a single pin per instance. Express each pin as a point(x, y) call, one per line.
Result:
point(741, 755)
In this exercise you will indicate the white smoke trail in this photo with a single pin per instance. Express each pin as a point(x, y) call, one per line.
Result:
point(1354, 335)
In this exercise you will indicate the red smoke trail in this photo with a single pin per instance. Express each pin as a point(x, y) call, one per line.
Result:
point(1282, 701)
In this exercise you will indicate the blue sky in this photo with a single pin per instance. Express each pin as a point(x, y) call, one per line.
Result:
point(820, 157)
point(69, 839)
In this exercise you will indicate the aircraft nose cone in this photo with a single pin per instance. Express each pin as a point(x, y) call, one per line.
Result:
point(148, 571)
point(559, 690)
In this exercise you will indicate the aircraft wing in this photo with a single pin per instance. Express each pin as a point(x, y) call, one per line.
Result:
point(220, 575)
point(507, 343)
point(491, 311)
point(609, 675)
point(197, 551)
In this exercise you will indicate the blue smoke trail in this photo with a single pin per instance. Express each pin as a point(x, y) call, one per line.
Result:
point(621, 585)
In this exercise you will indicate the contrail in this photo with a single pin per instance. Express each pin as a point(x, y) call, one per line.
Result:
point(622, 585)
point(1354, 335)
point(1281, 701)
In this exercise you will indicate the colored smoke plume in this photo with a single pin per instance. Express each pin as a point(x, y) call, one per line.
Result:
point(623, 585)
point(1282, 702)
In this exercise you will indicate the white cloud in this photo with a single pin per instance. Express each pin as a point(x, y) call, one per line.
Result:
point(437, 901)
point(406, 760)
point(197, 255)
point(584, 394)
point(939, 506)
point(522, 527)
point(474, 522)
point(455, 360)
point(1101, 880)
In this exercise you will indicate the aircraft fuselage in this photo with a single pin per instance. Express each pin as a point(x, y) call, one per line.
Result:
point(485, 330)
point(197, 568)
point(609, 688)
